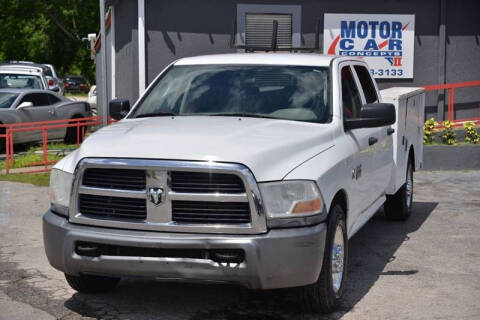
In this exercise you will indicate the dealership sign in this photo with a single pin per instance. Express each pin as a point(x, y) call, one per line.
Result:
point(385, 41)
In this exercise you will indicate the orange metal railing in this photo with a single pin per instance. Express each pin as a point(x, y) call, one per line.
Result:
point(450, 88)
point(10, 129)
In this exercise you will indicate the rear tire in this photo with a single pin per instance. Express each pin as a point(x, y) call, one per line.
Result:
point(399, 205)
point(71, 135)
point(323, 296)
point(92, 284)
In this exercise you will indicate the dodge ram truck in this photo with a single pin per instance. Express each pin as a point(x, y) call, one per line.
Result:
point(254, 169)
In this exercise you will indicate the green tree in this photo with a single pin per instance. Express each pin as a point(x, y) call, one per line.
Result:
point(50, 32)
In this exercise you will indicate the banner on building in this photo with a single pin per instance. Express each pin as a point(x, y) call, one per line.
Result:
point(385, 41)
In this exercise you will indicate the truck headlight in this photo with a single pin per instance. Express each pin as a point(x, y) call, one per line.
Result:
point(291, 199)
point(60, 188)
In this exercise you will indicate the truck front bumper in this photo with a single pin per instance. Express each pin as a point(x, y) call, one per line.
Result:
point(278, 259)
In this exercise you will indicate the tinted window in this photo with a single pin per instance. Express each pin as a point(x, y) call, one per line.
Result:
point(52, 99)
point(38, 99)
point(352, 103)
point(367, 84)
point(283, 92)
point(6, 99)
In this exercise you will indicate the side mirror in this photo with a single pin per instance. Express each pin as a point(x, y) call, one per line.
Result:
point(373, 115)
point(25, 104)
point(118, 108)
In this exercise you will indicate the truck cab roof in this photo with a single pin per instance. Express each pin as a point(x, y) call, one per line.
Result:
point(295, 59)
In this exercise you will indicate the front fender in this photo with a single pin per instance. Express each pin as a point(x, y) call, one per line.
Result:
point(329, 169)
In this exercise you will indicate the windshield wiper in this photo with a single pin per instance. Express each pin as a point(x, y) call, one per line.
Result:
point(156, 114)
point(242, 114)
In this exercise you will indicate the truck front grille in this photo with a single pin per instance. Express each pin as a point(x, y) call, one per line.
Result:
point(210, 212)
point(112, 207)
point(123, 179)
point(206, 182)
point(162, 195)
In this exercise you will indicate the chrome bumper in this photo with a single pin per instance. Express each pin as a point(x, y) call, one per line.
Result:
point(279, 258)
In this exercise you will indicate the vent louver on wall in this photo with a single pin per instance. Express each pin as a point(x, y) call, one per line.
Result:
point(259, 27)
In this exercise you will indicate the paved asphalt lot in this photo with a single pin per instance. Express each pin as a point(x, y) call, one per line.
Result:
point(426, 268)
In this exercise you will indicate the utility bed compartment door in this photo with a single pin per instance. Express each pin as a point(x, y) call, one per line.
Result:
point(410, 107)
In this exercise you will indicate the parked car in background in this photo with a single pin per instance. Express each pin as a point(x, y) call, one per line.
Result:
point(92, 99)
point(58, 85)
point(75, 84)
point(19, 105)
point(22, 78)
point(54, 83)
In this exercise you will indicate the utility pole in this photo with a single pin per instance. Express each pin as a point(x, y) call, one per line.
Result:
point(103, 62)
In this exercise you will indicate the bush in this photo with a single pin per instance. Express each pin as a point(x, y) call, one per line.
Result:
point(449, 136)
point(471, 133)
point(429, 131)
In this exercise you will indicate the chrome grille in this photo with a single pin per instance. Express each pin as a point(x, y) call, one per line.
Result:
point(206, 182)
point(210, 212)
point(161, 195)
point(112, 207)
point(124, 179)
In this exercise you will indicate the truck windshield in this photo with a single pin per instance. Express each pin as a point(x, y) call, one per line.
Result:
point(281, 92)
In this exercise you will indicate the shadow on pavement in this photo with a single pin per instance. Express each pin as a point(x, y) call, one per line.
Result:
point(371, 249)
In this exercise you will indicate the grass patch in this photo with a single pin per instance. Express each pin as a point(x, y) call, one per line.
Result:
point(37, 179)
point(31, 158)
point(77, 95)
point(55, 146)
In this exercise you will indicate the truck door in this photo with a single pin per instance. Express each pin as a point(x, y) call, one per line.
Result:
point(383, 146)
point(362, 161)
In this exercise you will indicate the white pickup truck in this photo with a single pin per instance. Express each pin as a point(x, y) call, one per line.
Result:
point(249, 168)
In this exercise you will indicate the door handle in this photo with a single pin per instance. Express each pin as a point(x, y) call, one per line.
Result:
point(372, 140)
point(390, 131)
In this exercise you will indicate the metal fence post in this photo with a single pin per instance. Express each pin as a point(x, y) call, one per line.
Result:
point(45, 151)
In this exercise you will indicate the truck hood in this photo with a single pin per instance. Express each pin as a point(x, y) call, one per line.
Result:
point(269, 148)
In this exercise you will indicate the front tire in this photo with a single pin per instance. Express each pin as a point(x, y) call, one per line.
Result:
point(323, 296)
point(399, 205)
point(92, 284)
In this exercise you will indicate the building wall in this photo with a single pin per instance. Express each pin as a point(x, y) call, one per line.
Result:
point(180, 28)
point(126, 47)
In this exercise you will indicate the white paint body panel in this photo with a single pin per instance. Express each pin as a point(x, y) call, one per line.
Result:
point(270, 148)
point(410, 106)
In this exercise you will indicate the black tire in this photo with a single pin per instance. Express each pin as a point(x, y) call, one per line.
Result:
point(399, 205)
point(92, 284)
point(71, 135)
point(322, 296)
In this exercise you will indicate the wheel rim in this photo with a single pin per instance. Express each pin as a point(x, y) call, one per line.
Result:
point(409, 187)
point(338, 259)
